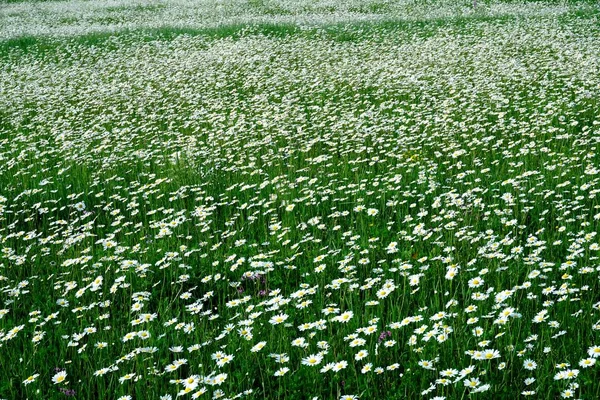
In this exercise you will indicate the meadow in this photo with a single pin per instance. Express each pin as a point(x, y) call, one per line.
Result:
point(299, 199)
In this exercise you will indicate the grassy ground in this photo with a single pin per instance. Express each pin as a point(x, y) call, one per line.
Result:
point(299, 199)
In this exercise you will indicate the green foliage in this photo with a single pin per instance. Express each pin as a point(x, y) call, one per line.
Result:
point(404, 194)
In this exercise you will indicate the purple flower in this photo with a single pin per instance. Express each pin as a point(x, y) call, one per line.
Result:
point(384, 334)
point(68, 392)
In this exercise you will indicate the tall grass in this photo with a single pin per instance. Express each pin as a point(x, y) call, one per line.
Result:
point(357, 208)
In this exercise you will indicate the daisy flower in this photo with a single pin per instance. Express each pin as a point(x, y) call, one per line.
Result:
point(340, 366)
point(278, 319)
point(59, 377)
point(312, 360)
point(529, 365)
point(30, 379)
point(361, 354)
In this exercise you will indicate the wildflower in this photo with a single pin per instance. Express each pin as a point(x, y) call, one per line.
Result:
point(449, 373)
point(475, 282)
point(566, 374)
point(312, 360)
point(426, 364)
point(594, 351)
point(340, 365)
point(143, 335)
point(587, 362)
point(171, 368)
point(529, 381)
point(344, 317)
point(59, 377)
point(327, 367)
point(393, 367)
point(219, 379)
point(102, 371)
point(258, 347)
point(199, 393)
point(225, 360)
point(126, 377)
point(490, 354)
point(30, 379)
point(472, 382)
point(529, 365)
point(278, 319)
point(482, 388)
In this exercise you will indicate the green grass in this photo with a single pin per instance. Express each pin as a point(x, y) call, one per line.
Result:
point(199, 173)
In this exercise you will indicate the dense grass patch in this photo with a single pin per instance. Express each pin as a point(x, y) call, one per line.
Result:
point(300, 200)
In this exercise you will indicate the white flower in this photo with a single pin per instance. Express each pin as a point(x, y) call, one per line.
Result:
point(30, 379)
point(59, 377)
point(587, 362)
point(529, 365)
point(278, 319)
point(312, 360)
point(361, 354)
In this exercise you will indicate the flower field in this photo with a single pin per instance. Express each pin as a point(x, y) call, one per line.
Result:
point(299, 199)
